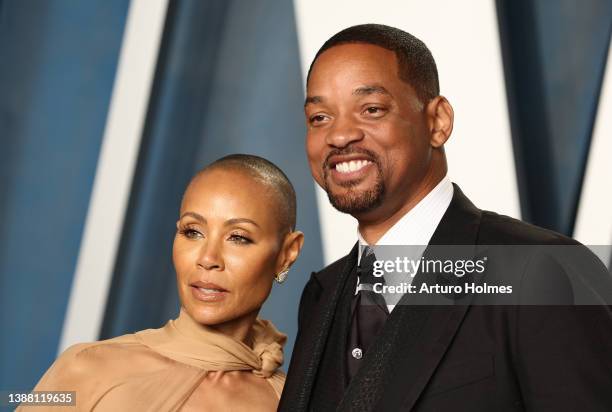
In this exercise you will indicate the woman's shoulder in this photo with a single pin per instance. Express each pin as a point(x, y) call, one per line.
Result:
point(116, 342)
point(102, 352)
point(114, 371)
point(112, 357)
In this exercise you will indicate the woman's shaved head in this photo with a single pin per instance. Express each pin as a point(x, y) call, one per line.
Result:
point(264, 172)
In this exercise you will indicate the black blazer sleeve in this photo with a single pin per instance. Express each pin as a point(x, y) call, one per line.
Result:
point(563, 351)
point(308, 299)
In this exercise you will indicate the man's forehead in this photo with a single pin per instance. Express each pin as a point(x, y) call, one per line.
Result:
point(352, 55)
point(355, 49)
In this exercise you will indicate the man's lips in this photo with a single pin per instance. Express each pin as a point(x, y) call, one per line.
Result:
point(348, 168)
point(351, 165)
point(208, 291)
point(336, 159)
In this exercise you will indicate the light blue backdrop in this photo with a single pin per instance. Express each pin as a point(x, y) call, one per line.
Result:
point(228, 80)
point(57, 67)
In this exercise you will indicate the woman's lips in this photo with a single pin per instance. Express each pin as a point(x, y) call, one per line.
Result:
point(208, 292)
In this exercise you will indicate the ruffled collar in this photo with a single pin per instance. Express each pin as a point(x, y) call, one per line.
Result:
point(187, 341)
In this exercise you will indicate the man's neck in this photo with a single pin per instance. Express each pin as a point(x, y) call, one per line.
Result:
point(374, 225)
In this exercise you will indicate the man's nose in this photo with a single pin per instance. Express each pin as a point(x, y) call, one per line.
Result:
point(211, 256)
point(343, 132)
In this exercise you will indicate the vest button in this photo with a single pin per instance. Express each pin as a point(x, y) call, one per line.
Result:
point(357, 353)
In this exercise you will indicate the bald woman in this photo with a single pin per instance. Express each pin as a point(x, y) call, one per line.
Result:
point(235, 236)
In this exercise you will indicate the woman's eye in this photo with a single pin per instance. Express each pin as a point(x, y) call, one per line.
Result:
point(191, 234)
point(239, 239)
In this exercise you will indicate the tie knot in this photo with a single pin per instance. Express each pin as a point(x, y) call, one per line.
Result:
point(366, 267)
point(367, 259)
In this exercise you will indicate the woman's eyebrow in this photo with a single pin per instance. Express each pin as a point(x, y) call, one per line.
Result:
point(228, 222)
point(195, 215)
point(240, 220)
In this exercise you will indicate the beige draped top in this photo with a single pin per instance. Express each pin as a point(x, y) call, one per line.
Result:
point(159, 369)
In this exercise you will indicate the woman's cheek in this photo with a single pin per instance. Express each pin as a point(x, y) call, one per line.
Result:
point(186, 254)
point(250, 278)
point(179, 253)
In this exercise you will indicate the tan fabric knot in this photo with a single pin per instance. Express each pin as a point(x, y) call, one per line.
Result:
point(271, 356)
point(202, 346)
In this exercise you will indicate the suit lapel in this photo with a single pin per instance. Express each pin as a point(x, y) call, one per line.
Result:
point(415, 337)
point(313, 338)
point(459, 226)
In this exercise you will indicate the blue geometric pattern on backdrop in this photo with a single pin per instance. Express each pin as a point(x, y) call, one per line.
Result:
point(58, 62)
point(143, 291)
point(256, 107)
point(228, 81)
point(554, 57)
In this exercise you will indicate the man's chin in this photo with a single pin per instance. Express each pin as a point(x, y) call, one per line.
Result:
point(355, 202)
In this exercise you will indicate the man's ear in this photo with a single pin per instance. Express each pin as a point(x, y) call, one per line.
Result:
point(292, 245)
point(440, 117)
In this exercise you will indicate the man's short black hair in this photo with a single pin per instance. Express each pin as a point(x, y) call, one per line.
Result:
point(269, 174)
point(417, 66)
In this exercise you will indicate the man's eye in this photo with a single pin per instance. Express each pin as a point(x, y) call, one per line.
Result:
point(317, 119)
point(375, 111)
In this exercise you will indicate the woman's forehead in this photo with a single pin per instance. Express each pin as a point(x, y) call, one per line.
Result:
point(222, 191)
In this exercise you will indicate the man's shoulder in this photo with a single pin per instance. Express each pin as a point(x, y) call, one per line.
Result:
point(334, 267)
point(501, 229)
point(494, 229)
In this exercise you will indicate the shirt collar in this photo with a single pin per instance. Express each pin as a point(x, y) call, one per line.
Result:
point(418, 225)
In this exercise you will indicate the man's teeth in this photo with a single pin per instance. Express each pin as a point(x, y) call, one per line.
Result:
point(206, 290)
point(352, 166)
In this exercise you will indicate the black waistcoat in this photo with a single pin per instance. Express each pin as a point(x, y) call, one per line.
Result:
point(330, 382)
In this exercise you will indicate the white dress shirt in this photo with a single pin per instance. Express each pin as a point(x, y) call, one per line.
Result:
point(418, 225)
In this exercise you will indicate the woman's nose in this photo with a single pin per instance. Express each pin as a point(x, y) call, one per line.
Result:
point(210, 257)
point(343, 132)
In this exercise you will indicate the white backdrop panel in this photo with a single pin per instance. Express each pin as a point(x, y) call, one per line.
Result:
point(594, 217)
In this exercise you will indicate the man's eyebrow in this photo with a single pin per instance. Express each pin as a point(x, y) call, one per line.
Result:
point(194, 215)
point(370, 89)
point(312, 100)
point(360, 91)
point(240, 220)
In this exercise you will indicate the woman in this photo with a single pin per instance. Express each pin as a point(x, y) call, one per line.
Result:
point(235, 235)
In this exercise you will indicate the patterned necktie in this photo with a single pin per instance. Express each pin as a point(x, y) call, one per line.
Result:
point(369, 312)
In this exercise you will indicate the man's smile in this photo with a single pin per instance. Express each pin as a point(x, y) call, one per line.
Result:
point(350, 172)
point(350, 168)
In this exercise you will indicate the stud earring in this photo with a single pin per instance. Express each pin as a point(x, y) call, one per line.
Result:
point(281, 277)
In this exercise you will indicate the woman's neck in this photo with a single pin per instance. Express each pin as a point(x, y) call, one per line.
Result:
point(240, 328)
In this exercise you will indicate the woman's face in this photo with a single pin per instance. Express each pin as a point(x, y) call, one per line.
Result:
point(228, 247)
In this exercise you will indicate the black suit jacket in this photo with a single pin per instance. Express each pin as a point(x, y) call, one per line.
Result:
point(463, 357)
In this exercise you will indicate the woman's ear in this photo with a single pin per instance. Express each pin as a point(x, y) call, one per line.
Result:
point(292, 245)
point(440, 118)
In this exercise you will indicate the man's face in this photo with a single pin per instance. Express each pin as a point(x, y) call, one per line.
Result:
point(368, 142)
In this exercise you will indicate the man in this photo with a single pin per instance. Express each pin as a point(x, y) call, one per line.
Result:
point(375, 143)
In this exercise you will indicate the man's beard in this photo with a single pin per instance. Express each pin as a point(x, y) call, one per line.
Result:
point(356, 202)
